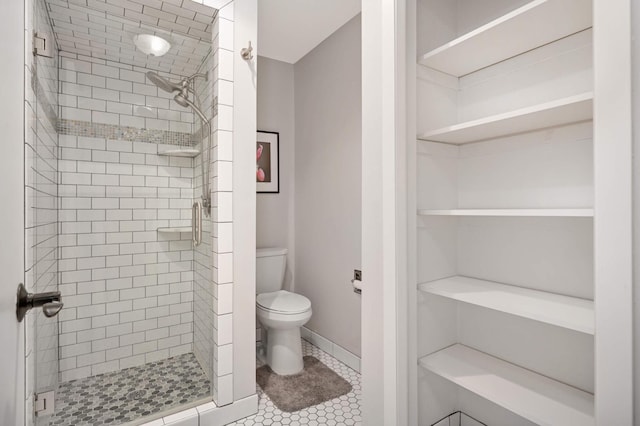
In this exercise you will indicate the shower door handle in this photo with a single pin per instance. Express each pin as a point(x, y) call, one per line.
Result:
point(196, 223)
point(50, 302)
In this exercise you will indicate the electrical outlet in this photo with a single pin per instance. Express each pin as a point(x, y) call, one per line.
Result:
point(357, 274)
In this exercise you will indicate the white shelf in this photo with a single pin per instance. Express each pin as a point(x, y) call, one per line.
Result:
point(562, 311)
point(530, 395)
point(175, 229)
point(510, 212)
point(563, 111)
point(181, 152)
point(537, 23)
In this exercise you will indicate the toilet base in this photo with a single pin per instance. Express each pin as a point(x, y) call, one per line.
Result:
point(284, 351)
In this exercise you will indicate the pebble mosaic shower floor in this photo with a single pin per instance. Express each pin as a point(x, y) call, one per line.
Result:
point(130, 394)
point(342, 411)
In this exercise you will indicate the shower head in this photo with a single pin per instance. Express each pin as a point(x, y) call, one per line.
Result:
point(163, 83)
point(182, 100)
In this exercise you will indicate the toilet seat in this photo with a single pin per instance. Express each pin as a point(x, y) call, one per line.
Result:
point(283, 302)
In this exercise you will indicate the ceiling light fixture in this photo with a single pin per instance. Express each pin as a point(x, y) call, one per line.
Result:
point(151, 44)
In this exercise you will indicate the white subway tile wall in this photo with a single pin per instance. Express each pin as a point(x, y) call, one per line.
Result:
point(203, 276)
point(107, 92)
point(127, 287)
point(214, 258)
point(41, 206)
point(222, 197)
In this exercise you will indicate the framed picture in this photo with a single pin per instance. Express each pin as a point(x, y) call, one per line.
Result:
point(267, 167)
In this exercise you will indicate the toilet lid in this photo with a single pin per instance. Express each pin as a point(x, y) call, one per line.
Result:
point(283, 301)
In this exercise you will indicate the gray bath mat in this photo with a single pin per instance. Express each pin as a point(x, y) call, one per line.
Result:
point(316, 384)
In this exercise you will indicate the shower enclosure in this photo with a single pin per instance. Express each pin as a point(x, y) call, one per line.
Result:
point(128, 159)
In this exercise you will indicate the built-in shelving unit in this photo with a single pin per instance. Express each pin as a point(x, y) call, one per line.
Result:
point(530, 395)
point(175, 229)
point(180, 152)
point(509, 212)
point(526, 349)
point(564, 111)
point(537, 23)
point(563, 311)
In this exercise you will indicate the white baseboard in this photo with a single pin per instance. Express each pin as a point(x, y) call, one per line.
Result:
point(333, 349)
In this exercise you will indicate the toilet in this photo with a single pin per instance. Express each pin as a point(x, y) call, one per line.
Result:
point(280, 312)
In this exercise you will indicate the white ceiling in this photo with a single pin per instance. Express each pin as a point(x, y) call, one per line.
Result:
point(289, 29)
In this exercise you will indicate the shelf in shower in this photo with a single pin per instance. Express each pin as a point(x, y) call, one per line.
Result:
point(180, 152)
point(175, 229)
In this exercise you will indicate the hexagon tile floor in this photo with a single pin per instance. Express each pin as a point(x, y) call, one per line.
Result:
point(344, 410)
point(126, 395)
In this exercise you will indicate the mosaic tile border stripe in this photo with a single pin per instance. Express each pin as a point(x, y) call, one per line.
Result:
point(125, 133)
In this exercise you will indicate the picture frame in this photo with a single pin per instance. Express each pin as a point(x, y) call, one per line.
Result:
point(267, 162)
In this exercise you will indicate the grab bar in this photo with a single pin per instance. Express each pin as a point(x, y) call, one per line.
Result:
point(196, 223)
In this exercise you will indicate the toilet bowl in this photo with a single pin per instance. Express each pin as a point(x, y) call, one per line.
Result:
point(282, 313)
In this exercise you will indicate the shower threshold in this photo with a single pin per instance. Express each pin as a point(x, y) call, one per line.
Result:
point(132, 394)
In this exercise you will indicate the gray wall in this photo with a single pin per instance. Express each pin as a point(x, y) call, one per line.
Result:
point(275, 212)
point(328, 183)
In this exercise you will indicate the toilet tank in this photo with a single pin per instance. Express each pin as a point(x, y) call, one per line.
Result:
point(270, 267)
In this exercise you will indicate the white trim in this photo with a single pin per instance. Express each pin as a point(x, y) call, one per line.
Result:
point(244, 199)
point(635, 67)
point(372, 364)
point(338, 352)
point(215, 416)
point(400, 192)
point(12, 353)
point(411, 72)
point(384, 219)
point(210, 415)
point(612, 222)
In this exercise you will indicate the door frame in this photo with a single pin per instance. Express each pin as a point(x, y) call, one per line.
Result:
point(12, 373)
point(613, 228)
point(385, 329)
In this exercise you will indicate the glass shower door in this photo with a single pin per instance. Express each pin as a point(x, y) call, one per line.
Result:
point(41, 210)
